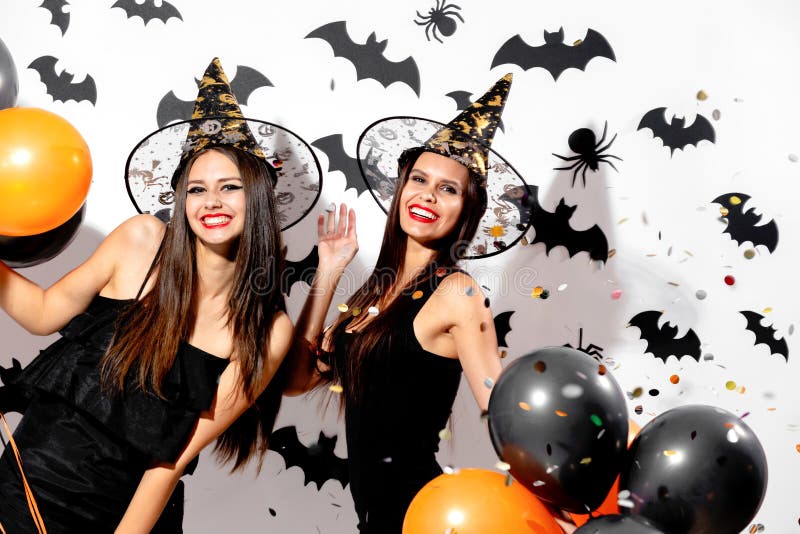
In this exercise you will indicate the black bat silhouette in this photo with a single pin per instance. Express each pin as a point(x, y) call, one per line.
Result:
point(148, 10)
point(60, 86)
point(247, 79)
point(299, 271)
point(339, 160)
point(502, 326)
point(661, 341)
point(463, 100)
point(743, 226)
point(12, 398)
point(318, 461)
point(673, 134)
point(368, 59)
point(765, 334)
point(57, 15)
point(554, 56)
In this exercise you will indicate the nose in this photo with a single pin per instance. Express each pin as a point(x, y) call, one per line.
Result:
point(429, 193)
point(212, 200)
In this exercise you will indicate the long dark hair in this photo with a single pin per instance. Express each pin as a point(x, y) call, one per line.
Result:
point(349, 369)
point(143, 351)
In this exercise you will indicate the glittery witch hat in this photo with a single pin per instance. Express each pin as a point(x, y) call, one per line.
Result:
point(155, 163)
point(387, 144)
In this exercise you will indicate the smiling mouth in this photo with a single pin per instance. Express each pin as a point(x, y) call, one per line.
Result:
point(422, 214)
point(215, 221)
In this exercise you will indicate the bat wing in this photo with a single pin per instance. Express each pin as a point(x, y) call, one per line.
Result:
point(171, 108)
point(516, 51)
point(284, 441)
point(147, 10)
point(339, 160)
point(655, 121)
point(593, 45)
point(463, 99)
point(743, 227)
point(60, 86)
point(246, 81)
point(12, 398)
point(57, 15)
point(660, 340)
point(591, 240)
point(299, 271)
point(689, 345)
point(700, 130)
point(502, 326)
point(765, 334)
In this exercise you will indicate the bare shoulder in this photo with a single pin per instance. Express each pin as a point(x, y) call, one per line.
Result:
point(461, 295)
point(140, 231)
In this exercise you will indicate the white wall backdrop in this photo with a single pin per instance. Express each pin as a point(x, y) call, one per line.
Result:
point(657, 212)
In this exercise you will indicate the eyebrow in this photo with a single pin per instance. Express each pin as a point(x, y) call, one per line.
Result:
point(227, 179)
point(445, 180)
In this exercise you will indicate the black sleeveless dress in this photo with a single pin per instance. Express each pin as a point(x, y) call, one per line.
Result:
point(84, 452)
point(393, 433)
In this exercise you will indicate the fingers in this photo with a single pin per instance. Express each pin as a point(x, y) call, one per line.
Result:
point(321, 225)
point(351, 224)
point(342, 226)
point(331, 226)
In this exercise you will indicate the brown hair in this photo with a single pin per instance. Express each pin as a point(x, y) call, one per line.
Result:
point(349, 369)
point(155, 325)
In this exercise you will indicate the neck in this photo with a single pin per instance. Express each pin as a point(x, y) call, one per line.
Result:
point(215, 272)
point(416, 258)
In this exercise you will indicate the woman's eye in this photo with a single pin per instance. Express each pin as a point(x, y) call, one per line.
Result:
point(231, 187)
point(195, 190)
point(449, 189)
point(418, 179)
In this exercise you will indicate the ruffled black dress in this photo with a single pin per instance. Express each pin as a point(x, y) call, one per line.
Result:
point(84, 452)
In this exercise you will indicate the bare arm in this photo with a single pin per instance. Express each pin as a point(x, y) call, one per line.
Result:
point(337, 247)
point(230, 402)
point(44, 311)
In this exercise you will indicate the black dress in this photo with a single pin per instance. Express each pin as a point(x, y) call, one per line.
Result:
point(84, 452)
point(393, 432)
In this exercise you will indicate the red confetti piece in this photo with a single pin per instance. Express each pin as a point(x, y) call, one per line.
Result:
point(730, 280)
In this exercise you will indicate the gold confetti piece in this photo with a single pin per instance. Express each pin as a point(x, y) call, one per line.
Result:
point(670, 452)
point(723, 212)
point(755, 529)
point(343, 307)
point(356, 311)
point(497, 231)
point(416, 295)
point(578, 42)
point(525, 406)
point(539, 366)
point(503, 354)
point(336, 388)
point(585, 461)
point(637, 392)
point(561, 413)
point(674, 379)
point(537, 291)
point(612, 253)
point(688, 253)
point(730, 385)
point(749, 254)
point(651, 254)
point(767, 309)
point(772, 409)
point(622, 221)
point(735, 201)
point(445, 434)
point(701, 95)
point(523, 241)
point(502, 466)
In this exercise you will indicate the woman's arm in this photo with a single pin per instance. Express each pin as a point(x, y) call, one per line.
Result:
point(473, 333)
point(230, 402)
point(44, 311)
point(337, 247)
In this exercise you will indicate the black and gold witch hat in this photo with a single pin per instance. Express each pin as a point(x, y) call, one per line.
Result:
point(388, 144)
point(155, 164)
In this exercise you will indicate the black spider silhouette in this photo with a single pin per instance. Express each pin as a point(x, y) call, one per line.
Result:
point(440, 19)
point(582, 142)
point(592, 350)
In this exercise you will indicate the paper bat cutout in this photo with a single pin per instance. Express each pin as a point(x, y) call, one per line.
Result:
point(743, 225)
point(502, 326)
point(57, 15)
point(299, 271)
point(368, 58)
point(148, 10)
point(673, 134)
point(463, 100)
point(554, 56)
point(661, 340)
point(339, 160)
point(12, 398)
point(765, 335)
point(247, 79)
point(318, 461)
point(60, 86)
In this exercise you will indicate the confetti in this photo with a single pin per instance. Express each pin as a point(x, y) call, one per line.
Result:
point(702, 95)
point(372, 310)
point(625, 503)
point(724, 212)
point(416, 295)
point(343, 307)
point(601, 369)
point(538, 483)
point(767, 309)
point(524, 241)
point(525, 406)
point(539, 366)
point(537, 291)
point(670, 452)
point(503, 354)
point(572, 391)
point(700, 294)
point(488, 382)
point(730, 385)
point(638, 409)
point(331, 208)
point(497, 231)
point(622, 221)
point(509, 480)
point(616, 294)
point(732, 436)
point(694, 434)
point(653, 392)
point(502, 466)
point(470, 291)
point(749, 254)
point(356, 311)
point(729, 279)
point(486, 302)
point(561, 413)
point(596, 420)
point(545, 294)
point(336, 388)
point(708, 356)
point(716, 114)
point(612, 253)
point(755, 529)
point(585, 461)
point(637, 393)
point(674, 379)
point(445, 434)
point(793, 158)
point(562, 287)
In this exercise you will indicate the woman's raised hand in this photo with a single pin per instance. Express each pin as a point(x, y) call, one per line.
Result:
point(337, 241)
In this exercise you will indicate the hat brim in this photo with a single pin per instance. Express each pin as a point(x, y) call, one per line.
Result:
point(507, 215)
point(155, 159)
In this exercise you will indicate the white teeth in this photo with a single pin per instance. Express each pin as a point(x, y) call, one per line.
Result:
point(211, 221)
point(424, 213)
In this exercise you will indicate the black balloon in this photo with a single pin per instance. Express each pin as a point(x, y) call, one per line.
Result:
point(696, 469)
point(30, 250)
point(9, 85)
point(618, 524)
point(559, 419)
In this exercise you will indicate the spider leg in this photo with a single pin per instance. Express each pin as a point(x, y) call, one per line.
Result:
point(448, 6)
point(440, 6)
point(583, 176)
point(427, 28)
point(600, 142)
point(610, 163)
point(435, 34)
point(424, 20)
point(576, 164)
point(573, 158)
point(599, 150)
point(456, 15)
point(575, 174)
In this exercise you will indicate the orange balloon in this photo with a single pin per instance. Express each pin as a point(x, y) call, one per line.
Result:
point(45, 171)
point(477, 501)
point(610, 505)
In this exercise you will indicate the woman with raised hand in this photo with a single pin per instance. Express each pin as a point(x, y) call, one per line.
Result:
point(173, 335)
